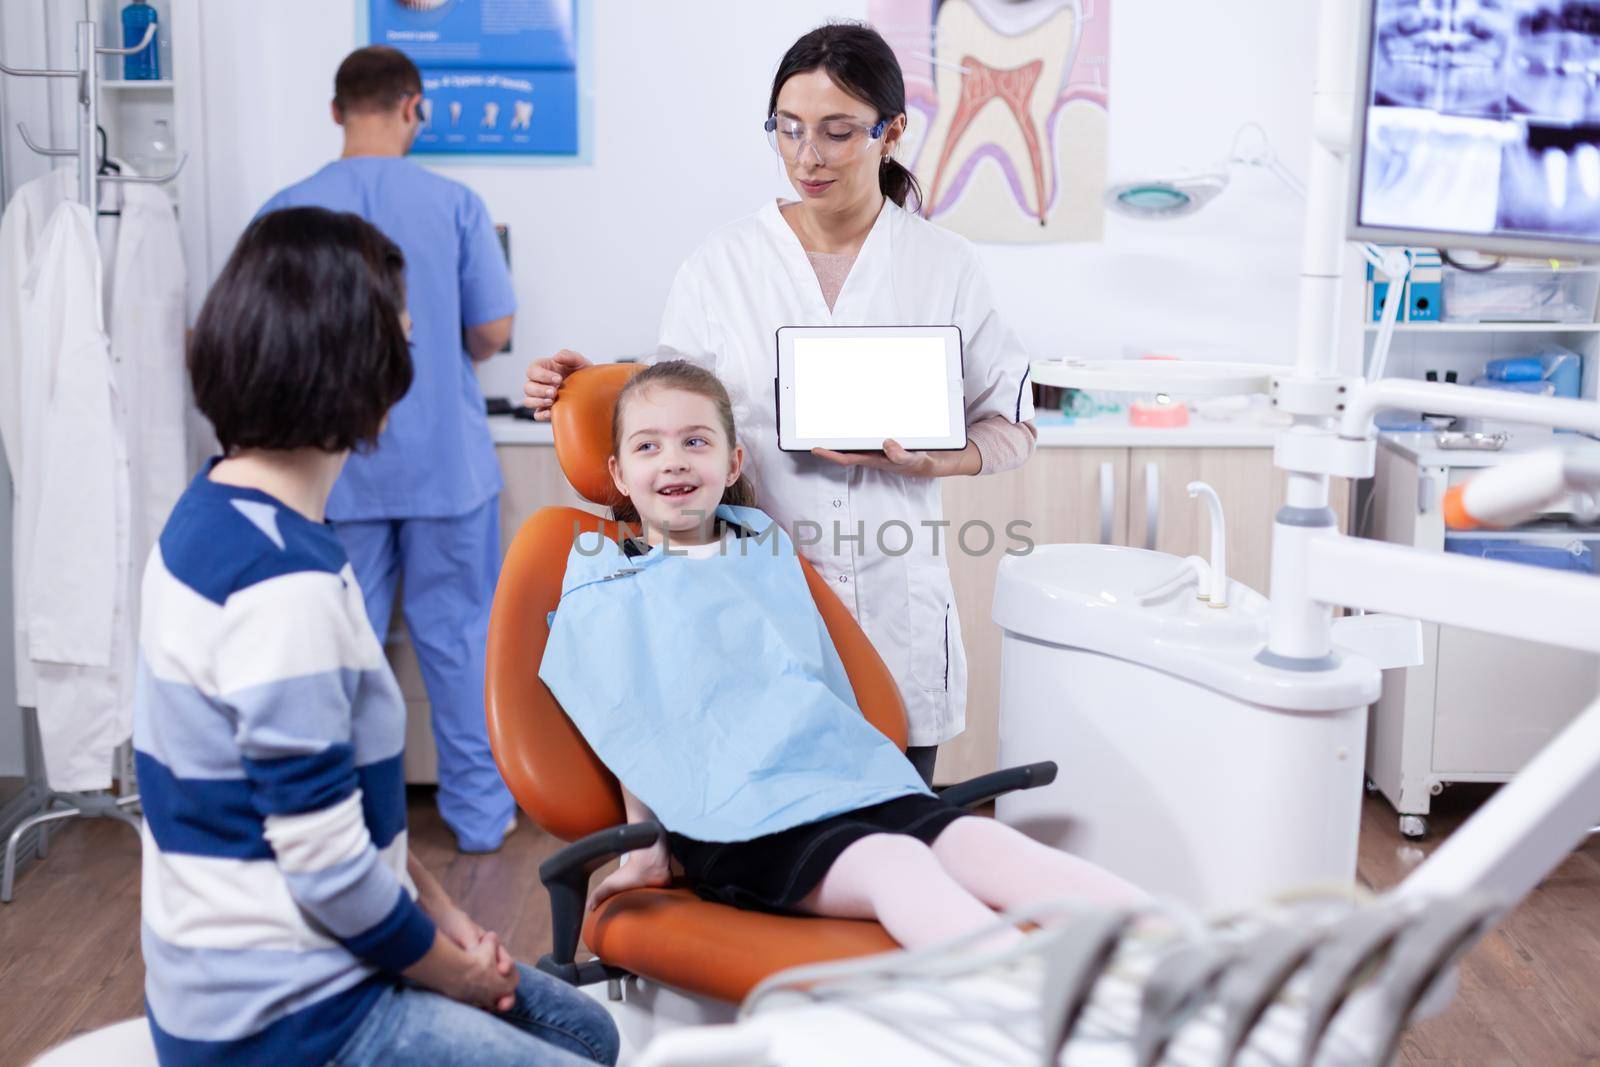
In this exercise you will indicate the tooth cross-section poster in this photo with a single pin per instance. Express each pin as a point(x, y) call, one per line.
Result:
point(1006, 113)
point(498, 76)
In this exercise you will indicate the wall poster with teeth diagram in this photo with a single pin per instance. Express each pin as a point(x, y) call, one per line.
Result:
point(1006, 113)
point(1484, 117)
point(499, 77)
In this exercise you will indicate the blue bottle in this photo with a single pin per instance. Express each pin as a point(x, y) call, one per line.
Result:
point(144, 65)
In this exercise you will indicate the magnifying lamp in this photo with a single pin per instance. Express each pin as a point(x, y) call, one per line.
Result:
point(1185, 192)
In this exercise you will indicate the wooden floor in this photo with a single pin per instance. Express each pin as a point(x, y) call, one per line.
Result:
point(69, 944)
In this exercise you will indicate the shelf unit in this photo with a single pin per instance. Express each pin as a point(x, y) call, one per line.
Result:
point(130, 109)
point(1478, 707)
point(1490, 327)
point(1464, 347)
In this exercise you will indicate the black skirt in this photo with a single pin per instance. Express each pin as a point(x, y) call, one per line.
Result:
point(775, 872)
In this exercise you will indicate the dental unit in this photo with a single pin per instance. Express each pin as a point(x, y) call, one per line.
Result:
point(1316, 977)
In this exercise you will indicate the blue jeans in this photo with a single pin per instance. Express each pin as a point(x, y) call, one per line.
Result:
point(551, 1025)
point(448, 568)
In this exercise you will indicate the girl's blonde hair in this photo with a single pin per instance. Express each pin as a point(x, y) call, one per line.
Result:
point(685, 376)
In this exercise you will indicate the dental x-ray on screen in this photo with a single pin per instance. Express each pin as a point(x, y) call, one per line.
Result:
point(1481, 126)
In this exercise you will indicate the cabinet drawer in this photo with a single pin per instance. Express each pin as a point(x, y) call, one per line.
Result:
point(1499, 700)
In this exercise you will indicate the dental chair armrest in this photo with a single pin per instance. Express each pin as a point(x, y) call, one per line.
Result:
point(986, 787)
point(566, 875)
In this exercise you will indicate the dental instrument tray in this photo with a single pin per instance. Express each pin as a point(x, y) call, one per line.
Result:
point(1472, 442)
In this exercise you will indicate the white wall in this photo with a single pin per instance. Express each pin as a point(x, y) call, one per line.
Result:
point(22, 44)
point(680, 88)
point(26, 41)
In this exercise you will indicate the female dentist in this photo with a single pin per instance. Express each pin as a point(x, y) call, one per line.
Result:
point(850, 253)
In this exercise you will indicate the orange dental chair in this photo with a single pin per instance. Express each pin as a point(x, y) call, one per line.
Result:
point(667, 935)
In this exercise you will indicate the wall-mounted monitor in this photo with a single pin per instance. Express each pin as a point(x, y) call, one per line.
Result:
point(1479, 126)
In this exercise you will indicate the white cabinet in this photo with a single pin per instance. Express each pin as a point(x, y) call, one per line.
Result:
point(1479, 707)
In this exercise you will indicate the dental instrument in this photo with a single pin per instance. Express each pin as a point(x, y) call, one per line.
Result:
point(1322, 978)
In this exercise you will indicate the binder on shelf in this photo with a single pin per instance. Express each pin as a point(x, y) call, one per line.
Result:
point(1423, 294)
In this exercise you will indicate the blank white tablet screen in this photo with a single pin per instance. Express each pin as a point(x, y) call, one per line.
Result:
point(891, 387)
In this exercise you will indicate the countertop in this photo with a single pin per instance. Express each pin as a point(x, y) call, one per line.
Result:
point(1421, 448)
point(1103, 431)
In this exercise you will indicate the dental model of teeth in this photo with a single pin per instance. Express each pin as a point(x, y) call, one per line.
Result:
point(1319, 981)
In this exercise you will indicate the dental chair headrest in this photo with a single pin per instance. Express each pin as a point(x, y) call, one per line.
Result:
point(581, 420)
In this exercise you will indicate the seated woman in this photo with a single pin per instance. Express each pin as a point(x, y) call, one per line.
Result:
point(284, 918)
point(723, 708)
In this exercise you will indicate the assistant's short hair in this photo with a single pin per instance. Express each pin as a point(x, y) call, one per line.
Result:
point(375, 78)
point(300, 342)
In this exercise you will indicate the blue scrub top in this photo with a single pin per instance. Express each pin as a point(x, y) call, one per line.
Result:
point(435, 458)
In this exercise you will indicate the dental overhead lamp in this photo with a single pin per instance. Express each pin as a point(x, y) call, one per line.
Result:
point(1185, 192)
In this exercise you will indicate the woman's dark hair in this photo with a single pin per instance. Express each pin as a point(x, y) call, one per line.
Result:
point(300, 343)
point(684, 376)
point(860, 62)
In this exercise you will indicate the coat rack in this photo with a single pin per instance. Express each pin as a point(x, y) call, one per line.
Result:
point(26, 819)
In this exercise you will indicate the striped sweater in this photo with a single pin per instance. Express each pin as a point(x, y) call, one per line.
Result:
point(268, 732)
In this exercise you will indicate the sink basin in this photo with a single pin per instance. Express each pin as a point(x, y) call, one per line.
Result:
point(1090, 597)
point(1109, 582)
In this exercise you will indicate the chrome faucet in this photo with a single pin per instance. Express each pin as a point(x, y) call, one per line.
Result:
point(1214, 586)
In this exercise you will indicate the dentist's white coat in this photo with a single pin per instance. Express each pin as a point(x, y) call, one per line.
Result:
point(728, 300)
point(93, 426)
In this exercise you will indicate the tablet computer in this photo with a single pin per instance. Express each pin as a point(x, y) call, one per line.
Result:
point(850, 388)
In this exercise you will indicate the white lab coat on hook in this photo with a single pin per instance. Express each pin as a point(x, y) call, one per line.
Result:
point(93, 429)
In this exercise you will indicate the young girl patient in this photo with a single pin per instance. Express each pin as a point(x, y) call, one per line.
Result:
point(696, 665)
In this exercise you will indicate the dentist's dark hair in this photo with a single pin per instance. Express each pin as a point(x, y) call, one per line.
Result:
point(860, 62)
point(685, 377)
point(374, 79)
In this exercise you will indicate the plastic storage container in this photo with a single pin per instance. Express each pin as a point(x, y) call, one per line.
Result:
point(145, 64)
point(1557, 552)
point(1517, 293)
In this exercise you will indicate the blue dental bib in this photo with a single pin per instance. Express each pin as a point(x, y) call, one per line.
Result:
point(711, 688)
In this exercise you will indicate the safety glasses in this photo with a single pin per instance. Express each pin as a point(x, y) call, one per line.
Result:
point(830, 143)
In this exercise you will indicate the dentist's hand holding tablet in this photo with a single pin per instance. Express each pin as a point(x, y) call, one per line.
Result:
point(885, 397)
